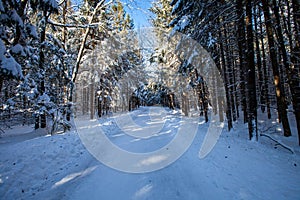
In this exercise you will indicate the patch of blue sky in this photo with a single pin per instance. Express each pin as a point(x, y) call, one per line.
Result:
point(137, 9)
point(139, 12)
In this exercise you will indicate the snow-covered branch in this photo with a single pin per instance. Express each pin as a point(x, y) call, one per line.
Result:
point(91, 25)
point(278, 142)
point(71, 25)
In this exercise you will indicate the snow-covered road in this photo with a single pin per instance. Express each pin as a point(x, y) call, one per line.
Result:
point(61, 167)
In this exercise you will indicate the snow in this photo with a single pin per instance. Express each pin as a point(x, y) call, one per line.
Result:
point(176, 6)
point(18, 49)
point(52, 4)
point(1, 6)
point(32, 30)
point(15, 17)
point(34, 165)
point(44, 98)
point(211, 41)
point(8, 64)
point(182, 23)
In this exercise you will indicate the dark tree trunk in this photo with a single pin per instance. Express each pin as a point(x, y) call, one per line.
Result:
point(130, 104)
point(37, 122)
point(295, 71)
point(281, 102)
point(282, 50)
point(214, 94)
point(265, 70)
point(252, 102)
point(92, 101)
point(220, 85)
point(229, 66)
point(259, 64)
point(42, 89)
point(236, 98)
point(1, 84)
point(70, 99)
point(99, 106)
point(226, 82)
point(242, 57)
point(43, 115)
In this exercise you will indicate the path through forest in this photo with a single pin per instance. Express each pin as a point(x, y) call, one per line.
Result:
point(60, 167)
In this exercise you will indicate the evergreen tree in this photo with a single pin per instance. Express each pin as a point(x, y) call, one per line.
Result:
point(237, 34)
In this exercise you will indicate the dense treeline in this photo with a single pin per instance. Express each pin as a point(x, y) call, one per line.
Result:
point(49, 50)
point(255, 45)
point(45, 48)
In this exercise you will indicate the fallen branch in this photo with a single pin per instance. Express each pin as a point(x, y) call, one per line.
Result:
point(278, 143)
point(269, 128)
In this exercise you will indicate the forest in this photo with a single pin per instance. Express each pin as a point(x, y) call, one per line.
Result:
point(150, 99)
point(59, 60)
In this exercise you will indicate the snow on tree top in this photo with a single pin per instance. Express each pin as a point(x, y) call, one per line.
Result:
point(8, 65)
point(18, 49)
point(15, 17)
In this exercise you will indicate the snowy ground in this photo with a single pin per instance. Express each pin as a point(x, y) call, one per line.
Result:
point(37, 166)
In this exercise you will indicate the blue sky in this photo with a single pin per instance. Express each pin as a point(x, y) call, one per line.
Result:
point(138, 10)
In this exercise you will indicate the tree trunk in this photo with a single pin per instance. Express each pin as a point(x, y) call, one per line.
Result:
point(226, 82)
point(42, 89)
point(37, 122)
point(265, 70)
point(281, 102)
point(236, 98)
point(220, 84)
point(214, 93)
point(251, 86)
point(80, 55)
point(185, 104)
point(259, 63)
point(284, 69)
point(295, 71)
point(229, 73)
point(43, 115)
point(65, 31)
point(92, 101)
point(242, 57)
point(220, 99)
point(1, 84)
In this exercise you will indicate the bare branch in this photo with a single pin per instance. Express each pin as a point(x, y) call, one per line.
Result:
point(81, 50)
point(72, 25)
